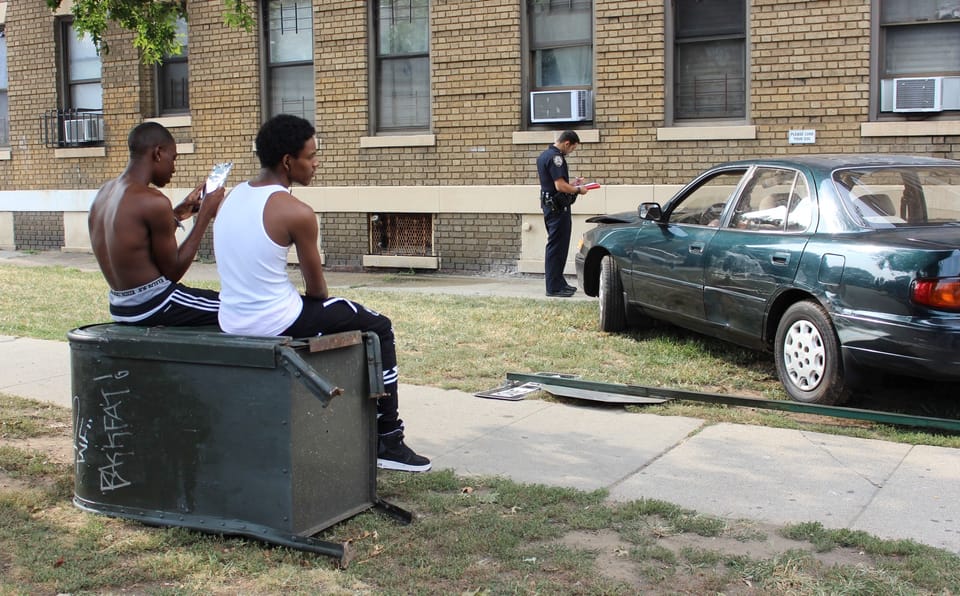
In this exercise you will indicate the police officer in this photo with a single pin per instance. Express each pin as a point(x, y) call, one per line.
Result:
point(556, 196)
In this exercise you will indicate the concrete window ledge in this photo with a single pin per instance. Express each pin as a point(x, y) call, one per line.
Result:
point(80, 152)
point(172, 121)
point(5, 155)
point(398, 141)
point(707, 133)
point(929, 128)
point(401, 262)
point(545, 137)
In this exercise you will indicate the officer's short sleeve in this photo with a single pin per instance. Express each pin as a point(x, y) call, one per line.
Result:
point(555, 167)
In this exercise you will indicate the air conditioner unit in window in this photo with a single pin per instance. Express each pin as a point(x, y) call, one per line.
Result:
point(918, 94)
point(83, 130)
point(561, 106)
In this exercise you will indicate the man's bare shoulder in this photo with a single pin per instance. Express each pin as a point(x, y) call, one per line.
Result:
point(130, 197)
point(289, 206)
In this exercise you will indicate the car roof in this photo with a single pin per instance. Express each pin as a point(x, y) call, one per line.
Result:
point(833, 161)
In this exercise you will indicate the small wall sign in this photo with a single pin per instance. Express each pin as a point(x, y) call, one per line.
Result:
point(801, 137)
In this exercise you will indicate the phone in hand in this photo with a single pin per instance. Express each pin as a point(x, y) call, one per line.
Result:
point(216, 179)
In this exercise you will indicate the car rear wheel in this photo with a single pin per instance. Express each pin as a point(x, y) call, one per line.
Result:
point(613, 313)
point(808, 356)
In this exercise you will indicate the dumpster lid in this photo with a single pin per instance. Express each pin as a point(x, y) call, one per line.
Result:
point(204, 345)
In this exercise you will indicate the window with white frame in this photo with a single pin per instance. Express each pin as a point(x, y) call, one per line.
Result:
point(401, 65)
point(81, 79)
point(173, 93)
point(4, 101)
point(918, 55)
point(561, 44)
point(290, 87)
point(709, 59)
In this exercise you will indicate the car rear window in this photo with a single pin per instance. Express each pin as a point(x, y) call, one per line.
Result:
point(900, 196)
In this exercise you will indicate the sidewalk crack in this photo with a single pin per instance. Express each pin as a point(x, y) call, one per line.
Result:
point(876, 485)
point(703, 424)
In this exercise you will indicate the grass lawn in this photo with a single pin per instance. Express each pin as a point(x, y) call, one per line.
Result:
point(472, 535)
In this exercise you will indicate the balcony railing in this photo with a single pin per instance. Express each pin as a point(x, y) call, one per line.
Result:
point(72, 128)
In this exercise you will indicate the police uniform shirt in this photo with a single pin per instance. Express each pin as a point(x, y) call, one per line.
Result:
point(551, 165)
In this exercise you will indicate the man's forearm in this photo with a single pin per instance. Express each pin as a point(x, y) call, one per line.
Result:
point(318, 289)
point(187, 251)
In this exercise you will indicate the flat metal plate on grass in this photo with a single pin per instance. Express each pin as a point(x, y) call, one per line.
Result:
point(510, 391)
point(600, 396)
point(572, 386)
point(568, 386)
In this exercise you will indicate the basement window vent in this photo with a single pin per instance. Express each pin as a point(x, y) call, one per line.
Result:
point(401, 234)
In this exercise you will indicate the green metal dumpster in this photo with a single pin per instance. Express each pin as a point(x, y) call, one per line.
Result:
point(267, 437)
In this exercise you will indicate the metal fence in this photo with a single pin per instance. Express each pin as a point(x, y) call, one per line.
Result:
point(72, 128)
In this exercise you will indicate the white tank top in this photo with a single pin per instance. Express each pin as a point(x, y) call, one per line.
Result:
point(256, 296)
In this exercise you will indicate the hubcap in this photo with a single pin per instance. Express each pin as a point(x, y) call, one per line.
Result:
point(804, 355)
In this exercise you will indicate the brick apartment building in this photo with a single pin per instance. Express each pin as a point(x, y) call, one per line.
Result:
point(430, 113)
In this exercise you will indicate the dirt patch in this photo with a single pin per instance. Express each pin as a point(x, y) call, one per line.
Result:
point(755, 541)
point(613, 554)
point(57, 449)
point(10, 484)
point(766, 542)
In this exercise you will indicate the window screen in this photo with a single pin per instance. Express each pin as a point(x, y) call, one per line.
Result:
point(290, 86)
point(709, 59)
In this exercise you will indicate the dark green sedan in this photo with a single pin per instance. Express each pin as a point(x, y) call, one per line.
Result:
point(838, 264)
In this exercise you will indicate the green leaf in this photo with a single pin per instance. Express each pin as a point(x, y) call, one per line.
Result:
point(153, 22)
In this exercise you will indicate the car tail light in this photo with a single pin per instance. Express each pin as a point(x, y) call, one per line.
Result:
point(941, 292)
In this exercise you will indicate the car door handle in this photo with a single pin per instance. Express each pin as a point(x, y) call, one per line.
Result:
point(696, 248)
point(780, 258)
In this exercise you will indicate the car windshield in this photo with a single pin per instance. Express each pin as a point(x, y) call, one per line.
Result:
point(901, 196)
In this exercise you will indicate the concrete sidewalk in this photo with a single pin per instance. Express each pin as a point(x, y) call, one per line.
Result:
point(770, 475)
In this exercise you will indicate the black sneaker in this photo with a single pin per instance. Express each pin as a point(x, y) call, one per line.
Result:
point(393, 454)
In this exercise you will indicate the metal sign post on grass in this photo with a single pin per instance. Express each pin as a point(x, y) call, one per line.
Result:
point(663, 394)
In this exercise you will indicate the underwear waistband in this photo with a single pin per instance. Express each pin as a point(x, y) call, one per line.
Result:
point(142, 294)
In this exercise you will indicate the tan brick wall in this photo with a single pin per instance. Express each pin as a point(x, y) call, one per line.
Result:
point(345, 237)
point(38, 230)
point(224, 93)
point(810, 71)
point(466, 245)
point(809, 68)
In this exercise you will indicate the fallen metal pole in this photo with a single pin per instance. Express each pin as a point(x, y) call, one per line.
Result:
point(737, 400)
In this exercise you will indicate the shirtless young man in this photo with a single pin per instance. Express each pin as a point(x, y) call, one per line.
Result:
point(132, 230)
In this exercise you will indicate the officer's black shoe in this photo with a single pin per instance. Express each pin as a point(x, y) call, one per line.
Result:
point(570, 288)
point(564, 293)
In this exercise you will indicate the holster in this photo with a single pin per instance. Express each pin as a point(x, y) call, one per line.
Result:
point(557, 201)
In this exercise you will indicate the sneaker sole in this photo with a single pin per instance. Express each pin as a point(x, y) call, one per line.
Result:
point(387, 464)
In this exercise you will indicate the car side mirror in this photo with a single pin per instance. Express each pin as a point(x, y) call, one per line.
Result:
point(649, 211)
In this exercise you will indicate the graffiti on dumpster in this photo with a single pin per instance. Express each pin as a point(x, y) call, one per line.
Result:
point(115, 429)
point(80, 442)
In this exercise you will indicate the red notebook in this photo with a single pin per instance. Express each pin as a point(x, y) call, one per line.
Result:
point(591, 185)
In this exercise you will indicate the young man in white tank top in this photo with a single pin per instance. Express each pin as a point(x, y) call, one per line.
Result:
point(255, 226)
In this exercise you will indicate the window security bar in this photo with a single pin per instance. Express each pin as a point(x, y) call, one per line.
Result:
point(72, 128)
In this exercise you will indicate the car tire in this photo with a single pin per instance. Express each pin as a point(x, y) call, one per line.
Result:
point(613, 312)
point(808, 356)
